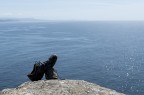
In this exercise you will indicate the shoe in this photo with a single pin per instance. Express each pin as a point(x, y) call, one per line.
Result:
point(52, 60)
point(51, 74)
point(37, 72)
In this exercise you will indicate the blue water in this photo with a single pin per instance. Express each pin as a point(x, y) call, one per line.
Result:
point(110, 54)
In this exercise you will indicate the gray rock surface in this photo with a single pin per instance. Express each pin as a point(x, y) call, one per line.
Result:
point(59, 87)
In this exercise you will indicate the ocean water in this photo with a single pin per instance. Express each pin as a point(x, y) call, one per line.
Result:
point(110, 54)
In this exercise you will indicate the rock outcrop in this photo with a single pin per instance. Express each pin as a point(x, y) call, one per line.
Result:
point(59, 87)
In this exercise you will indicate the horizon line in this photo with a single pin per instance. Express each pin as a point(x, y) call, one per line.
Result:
point(58, 20)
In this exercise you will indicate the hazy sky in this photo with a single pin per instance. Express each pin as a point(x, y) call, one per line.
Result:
point(73, 9)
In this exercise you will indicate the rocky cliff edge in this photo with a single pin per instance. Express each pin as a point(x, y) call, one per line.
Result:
point(59, 87)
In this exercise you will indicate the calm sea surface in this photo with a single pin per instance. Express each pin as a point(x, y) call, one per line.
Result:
point(110, 54)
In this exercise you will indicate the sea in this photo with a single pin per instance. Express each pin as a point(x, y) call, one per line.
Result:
point(108, 53)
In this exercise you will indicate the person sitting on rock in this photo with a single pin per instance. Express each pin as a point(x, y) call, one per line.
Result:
point(46, 68)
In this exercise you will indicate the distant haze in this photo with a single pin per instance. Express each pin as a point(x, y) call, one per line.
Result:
point(73, 9)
